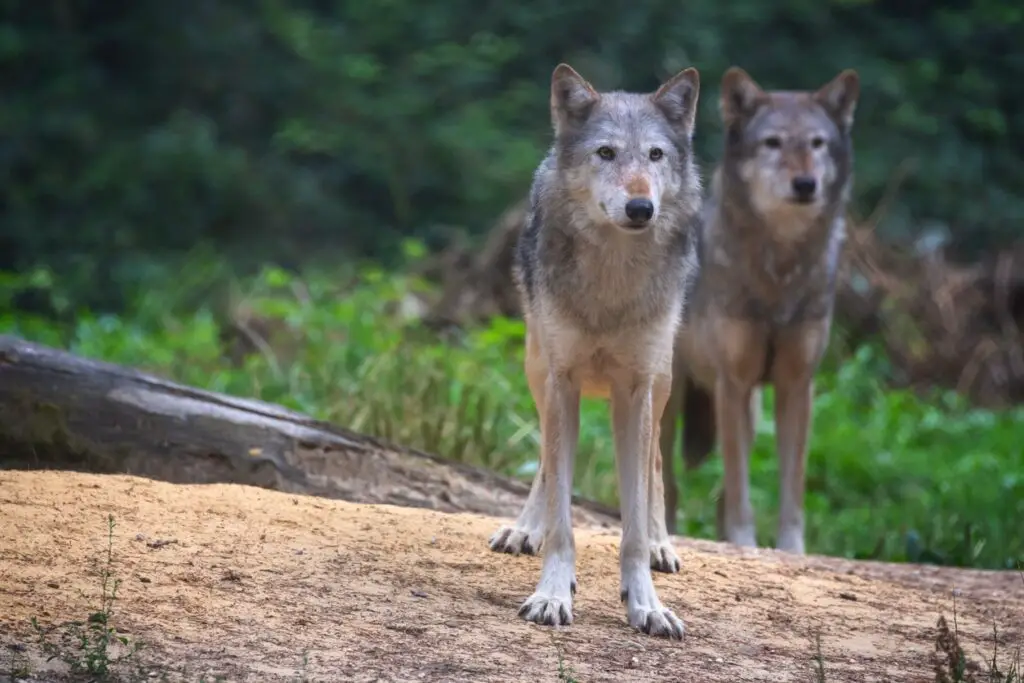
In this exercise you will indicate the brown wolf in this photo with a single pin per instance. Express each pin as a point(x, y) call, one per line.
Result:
point(601, 266)
point(760, 309)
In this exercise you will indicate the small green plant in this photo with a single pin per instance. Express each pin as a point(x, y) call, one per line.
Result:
point(18, 666)
point(819, 660)
point(303, 675)
point(566, 674)
point(92, 643)
point(995, 675)
point(952, 665)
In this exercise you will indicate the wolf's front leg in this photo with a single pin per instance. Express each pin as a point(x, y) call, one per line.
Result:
point(526, 535)
point(633, 425)
point(793, 408)
point(668, 424)
point(663, 556)
point(733, 406)
point(551, 602)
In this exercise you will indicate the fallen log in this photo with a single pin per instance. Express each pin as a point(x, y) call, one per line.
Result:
point(62, 411)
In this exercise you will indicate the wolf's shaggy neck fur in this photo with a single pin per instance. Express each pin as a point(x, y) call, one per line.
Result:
point(785, 248)
point(748, 271)
point(620, 280)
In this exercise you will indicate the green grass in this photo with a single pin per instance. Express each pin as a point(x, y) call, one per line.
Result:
point(891, 475)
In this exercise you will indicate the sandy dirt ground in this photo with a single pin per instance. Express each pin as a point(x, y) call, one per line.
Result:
point(245, 583)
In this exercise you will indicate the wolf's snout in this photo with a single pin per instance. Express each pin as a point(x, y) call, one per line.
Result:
point(639, 210)
point(804, 188)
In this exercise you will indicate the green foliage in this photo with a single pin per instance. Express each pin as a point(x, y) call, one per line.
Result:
point(292, 128)
point(891, 475)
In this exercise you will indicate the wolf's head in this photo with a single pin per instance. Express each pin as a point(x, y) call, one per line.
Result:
point(791, 150)
point(626, 158)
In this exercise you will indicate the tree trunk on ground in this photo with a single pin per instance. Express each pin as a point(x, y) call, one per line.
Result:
point(61, 411)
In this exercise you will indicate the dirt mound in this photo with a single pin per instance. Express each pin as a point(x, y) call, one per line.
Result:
point(252, 584)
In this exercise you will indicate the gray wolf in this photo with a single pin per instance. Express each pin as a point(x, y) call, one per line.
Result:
point(601, 267)
point(760, 309)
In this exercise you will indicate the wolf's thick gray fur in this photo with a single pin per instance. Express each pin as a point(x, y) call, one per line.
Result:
point(761, 308)
point(602, 267)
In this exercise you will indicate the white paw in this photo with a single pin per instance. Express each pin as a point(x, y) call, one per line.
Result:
point(547, 610)
point(645, 611)
point(664, 557)
point(791, 541)
point(661, 622)
point(517, 540)
point(741, 535)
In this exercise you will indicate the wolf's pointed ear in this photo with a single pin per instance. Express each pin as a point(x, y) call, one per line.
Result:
point(740, 95)
point(839, 97)
point(677, 99)
point(572, 98)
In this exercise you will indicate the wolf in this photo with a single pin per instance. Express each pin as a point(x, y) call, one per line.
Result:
point(760, 308)
point(601, 266)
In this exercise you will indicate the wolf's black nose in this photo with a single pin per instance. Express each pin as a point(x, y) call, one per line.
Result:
point(639, 210)
point(804, 187)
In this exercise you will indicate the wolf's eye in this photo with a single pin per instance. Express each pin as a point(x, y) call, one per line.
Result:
point(656, 153)
point(606, 153)
point(817, 143)
point(774, 142)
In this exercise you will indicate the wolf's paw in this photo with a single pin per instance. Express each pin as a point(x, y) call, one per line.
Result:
point(664, 557)
point(645, 611)
point(517, 540)
point(742, 535)
point(661, 622)
point(547, 610)
point(791, 540)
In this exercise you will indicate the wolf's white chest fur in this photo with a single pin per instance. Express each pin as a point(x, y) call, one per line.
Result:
point(595, 361)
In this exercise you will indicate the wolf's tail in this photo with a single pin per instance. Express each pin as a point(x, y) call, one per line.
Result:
point(700, 422)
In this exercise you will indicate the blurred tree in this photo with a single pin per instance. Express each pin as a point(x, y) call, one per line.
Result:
point(291, 128)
